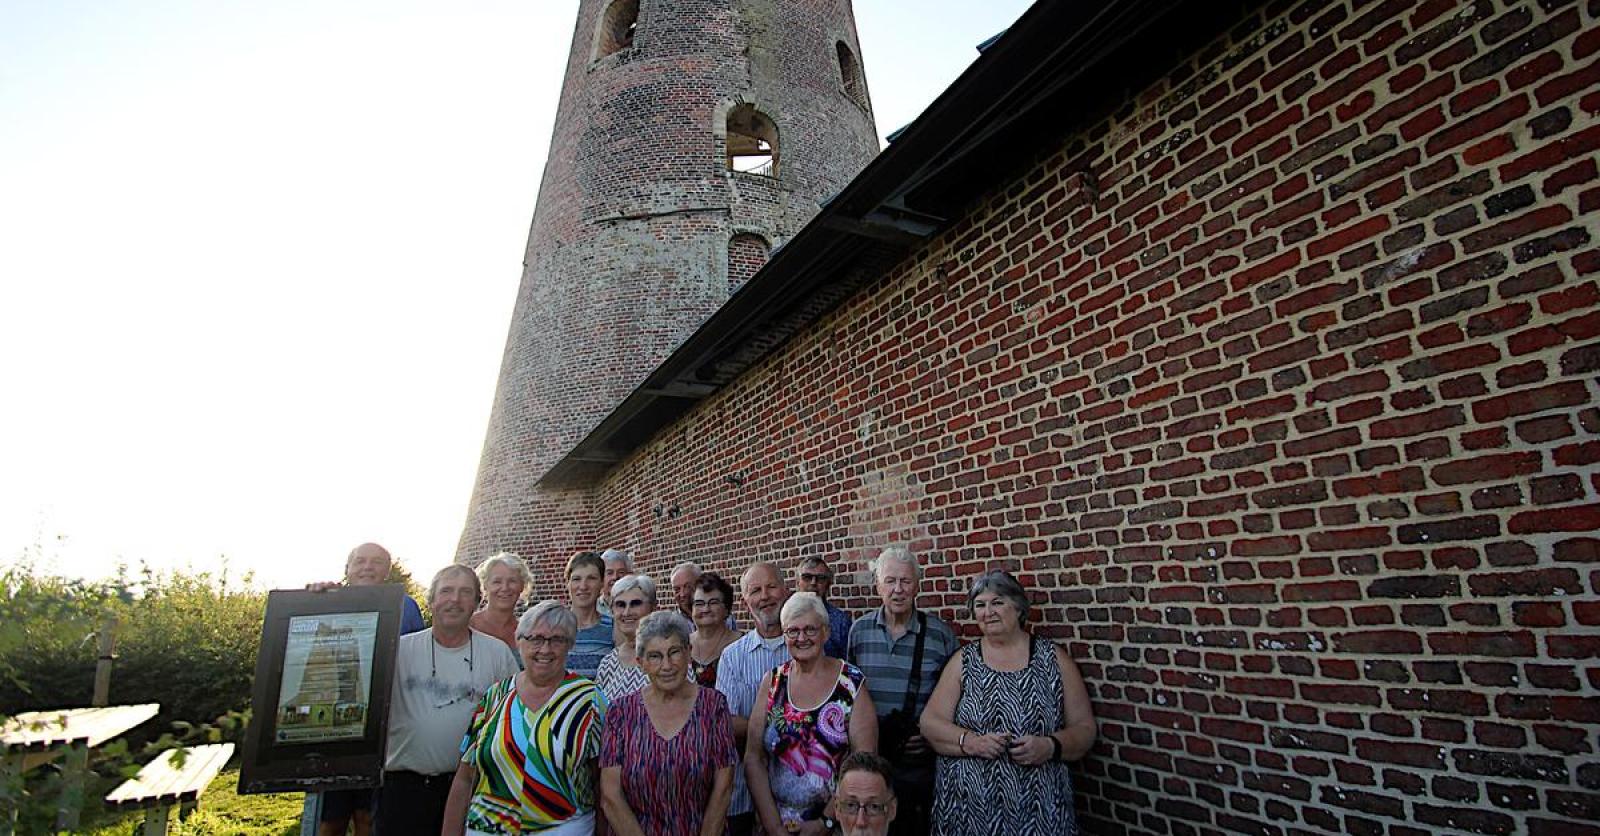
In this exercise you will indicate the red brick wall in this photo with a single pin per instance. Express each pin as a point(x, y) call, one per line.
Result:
point(1278, 388)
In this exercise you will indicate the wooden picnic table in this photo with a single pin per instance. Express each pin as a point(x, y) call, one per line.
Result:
point(37, 737)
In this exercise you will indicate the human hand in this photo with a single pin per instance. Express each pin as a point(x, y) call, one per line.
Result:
point(916, 745)
point(813, 828)
point(323, 586)
point(987, 746)
point(1030, 750)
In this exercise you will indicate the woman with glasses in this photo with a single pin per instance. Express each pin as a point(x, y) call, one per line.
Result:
point(1008, 713)
point(632, 598)
point(528, 762)
point(713, 597)
point(815, 713)
point(666, 765)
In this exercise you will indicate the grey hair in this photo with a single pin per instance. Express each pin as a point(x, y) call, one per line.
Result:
point(690, 565)
point(661, 624)
point(551, 613)
point(510, 561)
point(610, 555)
point(433, 585)
point(801, 603)
point(900, 555)
point(1001, 583)
point(643, 583)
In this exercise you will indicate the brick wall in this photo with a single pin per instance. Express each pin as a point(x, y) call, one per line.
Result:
point(1278, 387)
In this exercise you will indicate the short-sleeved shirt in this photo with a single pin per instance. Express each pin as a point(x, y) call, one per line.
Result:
point(589, 646)
point(535, 766)
point(739, 674)
point(667, 782)
point(887, 662)
point(436, 690)
point(838, 632)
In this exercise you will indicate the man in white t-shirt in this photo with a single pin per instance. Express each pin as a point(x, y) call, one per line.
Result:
point(440, 674)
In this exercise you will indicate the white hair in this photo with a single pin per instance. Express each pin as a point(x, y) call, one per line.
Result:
point(801, 603)
point(661, 624)
point(510, 561)
point(900, 555)
point(687, 564)
point(643, 583)
point(617, 556)
point(551, 613)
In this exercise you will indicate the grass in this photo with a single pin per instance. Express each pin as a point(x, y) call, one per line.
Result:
point(222, 812)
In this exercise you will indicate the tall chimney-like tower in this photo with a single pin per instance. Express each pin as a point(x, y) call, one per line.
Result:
point(692, 137)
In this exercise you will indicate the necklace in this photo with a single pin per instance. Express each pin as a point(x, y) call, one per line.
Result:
point(433, 654)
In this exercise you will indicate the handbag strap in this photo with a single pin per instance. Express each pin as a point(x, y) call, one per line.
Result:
point(914, 684)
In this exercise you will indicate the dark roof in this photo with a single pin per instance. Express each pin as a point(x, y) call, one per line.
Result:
point(1061, 62)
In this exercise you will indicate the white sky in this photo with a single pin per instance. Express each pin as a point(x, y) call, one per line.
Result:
point(257, 262)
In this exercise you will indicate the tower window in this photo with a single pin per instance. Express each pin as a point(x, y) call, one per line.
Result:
point(850, 74)
point(752, 142)
point(747, 253)
point(618, 24)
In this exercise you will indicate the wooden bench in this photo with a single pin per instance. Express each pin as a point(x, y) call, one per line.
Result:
point(163, 784)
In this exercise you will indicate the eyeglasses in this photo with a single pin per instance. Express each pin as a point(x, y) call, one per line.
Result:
point(809, 631)
point(873, 809)
point(815, 577)
point(544, 641)
point(706, 605)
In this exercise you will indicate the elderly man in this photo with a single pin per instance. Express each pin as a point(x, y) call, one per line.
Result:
point(814, 575)
point(744, 663)
point(367, 565)
point(683, 580)
point(618, 566)
point(863, 796)
point(440, 674)
point(902, 650)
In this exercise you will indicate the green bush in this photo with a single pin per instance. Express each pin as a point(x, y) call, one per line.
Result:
point(185, 640)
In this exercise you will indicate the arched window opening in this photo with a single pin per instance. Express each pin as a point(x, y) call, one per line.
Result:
point(752, 142)
point(850, 73)
point(747, 253)
point(618, 24)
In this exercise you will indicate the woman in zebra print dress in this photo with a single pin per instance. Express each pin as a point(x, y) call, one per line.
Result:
point(1008, 713)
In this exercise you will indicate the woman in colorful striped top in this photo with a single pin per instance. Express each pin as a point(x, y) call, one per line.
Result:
point(528, 761)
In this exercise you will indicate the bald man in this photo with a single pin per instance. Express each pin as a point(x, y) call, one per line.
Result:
point(351, 810)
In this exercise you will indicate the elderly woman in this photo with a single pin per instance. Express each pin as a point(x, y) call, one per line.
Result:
point(585, 572)
point(632, 598)
point(713, 597)
point(666, 766)
point(814, 714)
point(528, 758)
point(1009, 711)
point(504, 578)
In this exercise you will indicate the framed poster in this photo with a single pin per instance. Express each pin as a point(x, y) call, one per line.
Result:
point(320, 701)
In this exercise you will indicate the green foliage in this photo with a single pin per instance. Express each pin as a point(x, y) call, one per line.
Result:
point(185, 640)
point(419, 593)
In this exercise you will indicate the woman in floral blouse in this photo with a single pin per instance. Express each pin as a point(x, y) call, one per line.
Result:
point(815, 713)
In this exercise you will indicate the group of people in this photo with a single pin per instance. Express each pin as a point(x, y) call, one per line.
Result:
point(614, 716)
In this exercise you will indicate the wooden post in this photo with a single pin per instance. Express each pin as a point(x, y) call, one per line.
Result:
point(71, 805)
point(10, 792)
point(102, 666)
point(155, 820)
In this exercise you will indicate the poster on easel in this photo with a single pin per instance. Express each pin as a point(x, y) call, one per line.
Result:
point(320, 700)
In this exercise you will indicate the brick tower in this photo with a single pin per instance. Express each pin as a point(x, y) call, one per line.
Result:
point(692, 137)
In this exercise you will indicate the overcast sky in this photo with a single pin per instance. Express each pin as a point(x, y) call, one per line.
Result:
point(257, 262)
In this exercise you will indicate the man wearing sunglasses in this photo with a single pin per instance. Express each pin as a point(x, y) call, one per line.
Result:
point(814, 575)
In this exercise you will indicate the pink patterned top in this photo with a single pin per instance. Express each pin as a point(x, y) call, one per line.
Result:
point(667, 782)
point(804, 747)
